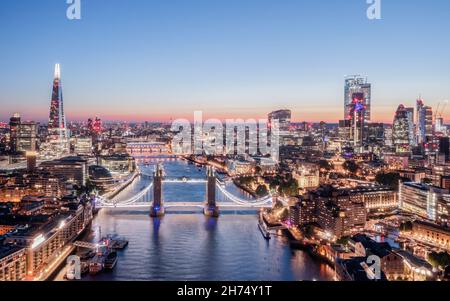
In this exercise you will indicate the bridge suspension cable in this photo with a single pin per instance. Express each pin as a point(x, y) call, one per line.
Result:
point(234, 199)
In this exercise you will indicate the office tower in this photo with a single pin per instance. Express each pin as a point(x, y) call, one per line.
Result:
point(402, 129)
point(440, 127)
point(27, 137)
point(283, 117)
point(23, 135)
point(356, 84)
point(428, 123)
point(284, 120)
point(410, 116)
point(357, 117)
point(444, 147)
point(57, 122)
point(14, 124)
point(420, 122)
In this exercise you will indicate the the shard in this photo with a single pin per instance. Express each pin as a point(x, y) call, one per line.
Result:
point(57, 121)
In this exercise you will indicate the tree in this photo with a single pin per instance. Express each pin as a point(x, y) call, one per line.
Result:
point(390, 179)
point(262, 191)
point(324, 164)
point(351, 166)
point(289, 188)
point(439, 259)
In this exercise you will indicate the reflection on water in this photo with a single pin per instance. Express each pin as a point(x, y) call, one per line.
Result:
point(190, 246)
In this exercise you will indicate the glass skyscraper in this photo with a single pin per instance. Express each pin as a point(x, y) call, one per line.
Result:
point(356, 84)
point(57, 122)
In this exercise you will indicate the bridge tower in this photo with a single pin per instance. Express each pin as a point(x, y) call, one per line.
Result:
point(157, 209)
point(211, 209)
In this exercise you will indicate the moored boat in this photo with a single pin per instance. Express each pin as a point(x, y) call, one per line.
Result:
point(111, 260)
point(95, 267)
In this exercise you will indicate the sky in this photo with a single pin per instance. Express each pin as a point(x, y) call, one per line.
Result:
point(164, 59)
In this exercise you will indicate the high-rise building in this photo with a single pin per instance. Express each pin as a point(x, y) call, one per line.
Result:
point(357, 119)
point(27, 136)
point(444, 147)
point(410, 116)
point(14, 125)
point(424, 123)
point(355, 84)
point(420, 122)
point(23, 135)
point(428, 123)
point(283, 117)
point(440, 127)
point(57, 122)
point(284, 121)
point(403, 129)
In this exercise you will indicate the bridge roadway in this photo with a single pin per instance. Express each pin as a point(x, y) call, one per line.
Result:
point(168, 205)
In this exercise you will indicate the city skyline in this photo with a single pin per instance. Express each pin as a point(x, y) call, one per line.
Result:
point(162, 61)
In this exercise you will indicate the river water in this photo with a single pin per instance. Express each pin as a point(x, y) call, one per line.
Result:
point(185, 245)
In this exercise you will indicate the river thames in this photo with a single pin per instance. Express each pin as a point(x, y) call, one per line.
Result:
point(189, 246)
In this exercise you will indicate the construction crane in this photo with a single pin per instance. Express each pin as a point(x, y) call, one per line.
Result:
point(440, 113)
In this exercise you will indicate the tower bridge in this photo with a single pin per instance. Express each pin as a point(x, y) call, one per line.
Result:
point(152, 196)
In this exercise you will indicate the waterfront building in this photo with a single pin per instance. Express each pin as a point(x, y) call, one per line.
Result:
point(338, 213)
point(138, 149)
point(241, 167)
point(432, 234)
point(101, 178)
point(294, 215)
point(12, 263)
point(70, 169)
point(118, 164)
point(308, 211)
point(44, 242)
point(425, 201)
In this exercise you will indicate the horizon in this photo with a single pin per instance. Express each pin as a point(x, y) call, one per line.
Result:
point(255, 57)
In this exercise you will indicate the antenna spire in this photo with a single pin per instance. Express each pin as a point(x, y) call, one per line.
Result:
point(57, 71)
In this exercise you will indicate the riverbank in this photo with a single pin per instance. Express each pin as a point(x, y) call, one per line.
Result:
point(124, 185)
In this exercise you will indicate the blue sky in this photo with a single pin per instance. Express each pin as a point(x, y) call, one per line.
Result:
point(161, 59)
